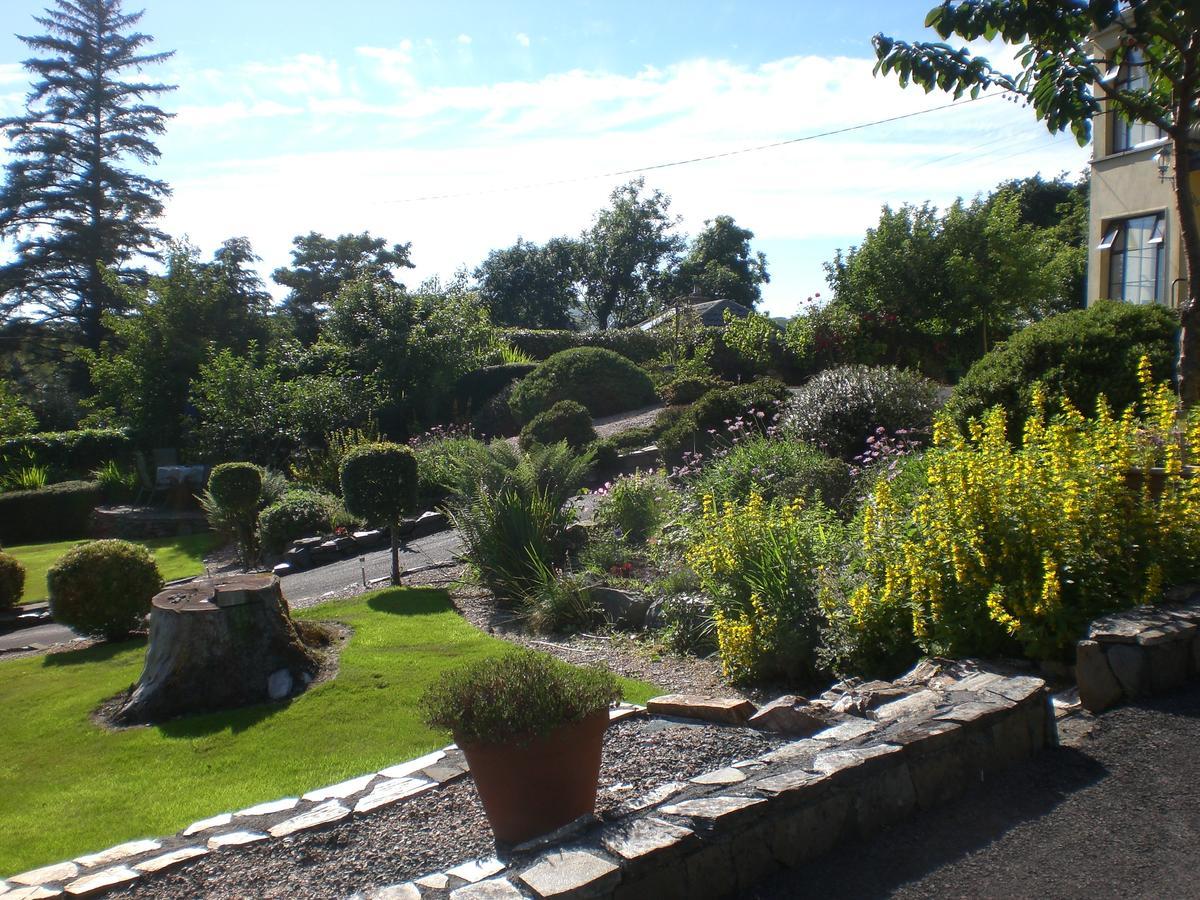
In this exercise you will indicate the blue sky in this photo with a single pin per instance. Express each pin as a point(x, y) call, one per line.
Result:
point(293, 118)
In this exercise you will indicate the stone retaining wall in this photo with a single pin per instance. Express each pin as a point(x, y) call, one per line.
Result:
point(1145, 650)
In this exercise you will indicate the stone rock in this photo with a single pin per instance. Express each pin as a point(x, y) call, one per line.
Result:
point(405, 891)
point(788, 783)
point(655, 615)
point(796, 752)
point(279, 684)
point(208, 824)
point(1169, 662)
point(919, 703)
point(299, 559)
point(1098, 686)
point(847, 731)
point(713, 809)
point(392, 791)
point(1121, 628)
point(174, 858)
point(724, 776)
point(282, 569)
point(32, 893)
point(639, 839)
point(576, 535)
point(884, 799)
point(793, 716)
point(857, 761)
point(428, 523)
point(1129, 664)
point(727, 711)
point(369, 540)
point(1181, 593)
point(493, 889)
point(307, 543)
point(346, 545)
point(270, 808)
point(445, 772)
point(624, 711)
point(654, 797)
point(47, 874)
point(574, 873)
point(101, 881)
point(624, 608)
point(235, 839)
point(435, 882)
point(476, 869)
point(811, 829)
point(322, 814)
point(710, 872)
point(413, 766)
point(118, 853)
point(340, 791)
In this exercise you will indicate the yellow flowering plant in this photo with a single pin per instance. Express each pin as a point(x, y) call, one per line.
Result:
point(1015, 548)
point(761, 562)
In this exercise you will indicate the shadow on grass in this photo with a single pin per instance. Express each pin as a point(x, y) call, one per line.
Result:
point(99, 653)
point(411, 601)
point(233, 720)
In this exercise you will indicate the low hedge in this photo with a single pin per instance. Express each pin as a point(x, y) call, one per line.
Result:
point(564, 421)
point(632, 343)
point(59, 512)
point(688, 429)
point(295, 515)
point(69, 452)
point(602, 381)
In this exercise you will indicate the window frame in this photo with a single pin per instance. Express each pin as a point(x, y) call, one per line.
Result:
point(1115, 249)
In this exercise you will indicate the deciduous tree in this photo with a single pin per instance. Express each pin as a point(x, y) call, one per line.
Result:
point(531, 286)
point(720, 264)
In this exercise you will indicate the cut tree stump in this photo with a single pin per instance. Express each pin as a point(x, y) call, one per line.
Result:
point(216, 645)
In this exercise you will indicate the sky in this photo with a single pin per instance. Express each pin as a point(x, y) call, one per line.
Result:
point(462, 126)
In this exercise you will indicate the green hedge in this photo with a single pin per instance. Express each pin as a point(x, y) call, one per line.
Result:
point(58, 512)
point(68, 452)
point(632, 343)
point(601, 380)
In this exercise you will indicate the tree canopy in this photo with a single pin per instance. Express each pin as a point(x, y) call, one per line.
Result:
point(531, 286)
point(720, 264)
point(69, 203)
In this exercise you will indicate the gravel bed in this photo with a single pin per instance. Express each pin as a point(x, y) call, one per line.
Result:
point(439, 829)
point(638, 418)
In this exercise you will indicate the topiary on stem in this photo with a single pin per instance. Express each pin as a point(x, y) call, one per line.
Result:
point(379, 484)
point(12, 580)
point(236, 489)
point(103, 588)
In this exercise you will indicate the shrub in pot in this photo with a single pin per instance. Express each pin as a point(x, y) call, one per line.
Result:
point(531, 728)
point(103, 588)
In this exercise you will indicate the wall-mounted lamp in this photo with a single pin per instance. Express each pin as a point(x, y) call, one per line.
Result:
point(1162, 159)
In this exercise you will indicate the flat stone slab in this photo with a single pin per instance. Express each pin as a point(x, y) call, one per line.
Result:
point(724, 711)
point(788, 782)
point(117, 853)
point(918, 703)
point(59, 872)
point(406, 891)
point(570, 872)
point(208, 824)
point(476, 869)
point(270, 808)
point(494, 889)
point(436, 882)
point(728, 775)
point(235, 839)
point(835, 762)
point(340, 791)
point(712, 809)
point(847, 731)
point(174, 858)
point(413, 766)
point(101, 881)
point(32, 893)
point(392, 791)
point(644, 837)
point(324, 814)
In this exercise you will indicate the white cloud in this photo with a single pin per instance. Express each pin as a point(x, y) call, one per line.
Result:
point(392, 64)
point(463, 39)
point(231, 113)
point(522, 38)
point(303, 75)
point(13, 73)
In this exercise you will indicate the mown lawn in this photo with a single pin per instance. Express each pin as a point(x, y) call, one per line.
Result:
point(70, 787)
point(177, 557)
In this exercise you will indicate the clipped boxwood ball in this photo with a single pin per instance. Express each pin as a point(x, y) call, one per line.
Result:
point(379, 482)
point(103, 588)
point(12, 580)
point(601, 380)
point(296, 514)
point(566, 421)
point(236, 485)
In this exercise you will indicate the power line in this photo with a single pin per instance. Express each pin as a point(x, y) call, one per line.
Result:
point(698, 159)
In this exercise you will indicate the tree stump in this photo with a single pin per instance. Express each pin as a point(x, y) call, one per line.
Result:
point(217, 645)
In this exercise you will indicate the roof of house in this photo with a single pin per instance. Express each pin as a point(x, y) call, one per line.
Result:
point(709, 312)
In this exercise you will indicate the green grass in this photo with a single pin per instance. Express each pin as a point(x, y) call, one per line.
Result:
point(70, 787)
point(177, 557)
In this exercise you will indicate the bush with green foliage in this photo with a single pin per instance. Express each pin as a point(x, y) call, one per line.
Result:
point(103, 588)
point(15, 417)
point(475, 388)
point(67, 453)
point(516, 698)
point(601, 380)
point(447, 464)
point(57, 512)
point(688, 389)
point(380, 484)
point(773, 467)
point(607, 451)
point(566, 421)
point(635, 505)
point(632, 343)
point(232, 501)
point(839, 409)
point(297, 514)
point(12, 580)
point(1080, 355)
point(558, 602)
point(698, 427)
point(117, 482)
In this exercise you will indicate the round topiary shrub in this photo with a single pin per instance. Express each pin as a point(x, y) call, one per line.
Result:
point(237, 486)
point(838, 409)
point(602, 381)
point(103, 588)
point(297, 514)
point(688, 389)
point(700, 426)
point(1079, 354)
point(380, 484)
point(12, 580)
point(566, 421)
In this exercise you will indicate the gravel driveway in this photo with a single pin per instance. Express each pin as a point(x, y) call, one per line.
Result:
point(1114, 815)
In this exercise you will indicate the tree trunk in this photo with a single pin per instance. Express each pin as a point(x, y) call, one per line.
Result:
point(1189, 314)
point(395, 533)
point(216, 647)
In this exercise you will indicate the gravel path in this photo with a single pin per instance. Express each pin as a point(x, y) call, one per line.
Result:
point(442, 828)
point(1113, 815)
point(637, 418)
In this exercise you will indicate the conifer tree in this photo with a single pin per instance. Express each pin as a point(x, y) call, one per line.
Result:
point(71, 206)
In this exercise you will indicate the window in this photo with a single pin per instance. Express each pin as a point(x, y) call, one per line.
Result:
point(1136, 258)
point(1125, 134)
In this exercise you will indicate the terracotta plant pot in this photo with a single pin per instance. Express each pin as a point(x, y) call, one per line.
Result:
point(532, 789)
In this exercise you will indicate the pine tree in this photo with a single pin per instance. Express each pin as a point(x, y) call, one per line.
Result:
point(68, 207)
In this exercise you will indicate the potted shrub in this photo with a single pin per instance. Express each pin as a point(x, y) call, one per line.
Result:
point(531, 728)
